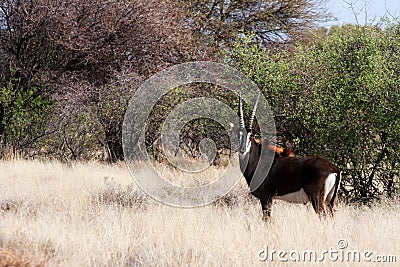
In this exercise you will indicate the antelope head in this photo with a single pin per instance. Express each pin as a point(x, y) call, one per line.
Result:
point(245, 136)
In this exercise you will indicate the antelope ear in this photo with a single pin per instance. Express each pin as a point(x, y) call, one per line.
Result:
point(258, 141)
point(289, 152)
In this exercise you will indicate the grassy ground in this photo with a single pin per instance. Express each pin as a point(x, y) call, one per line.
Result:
point(93, 215)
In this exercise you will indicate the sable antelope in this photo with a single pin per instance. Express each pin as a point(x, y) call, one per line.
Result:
point(291, 178)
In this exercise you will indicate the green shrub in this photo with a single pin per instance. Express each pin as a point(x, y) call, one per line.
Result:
point(337, 98)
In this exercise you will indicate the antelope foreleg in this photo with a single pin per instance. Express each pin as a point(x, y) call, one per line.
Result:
point(266, 204)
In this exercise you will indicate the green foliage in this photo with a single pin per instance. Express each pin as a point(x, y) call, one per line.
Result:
point(25, 115)
point(338, 98)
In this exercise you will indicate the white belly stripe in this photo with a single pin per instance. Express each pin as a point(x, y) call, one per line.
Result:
point(295, 197)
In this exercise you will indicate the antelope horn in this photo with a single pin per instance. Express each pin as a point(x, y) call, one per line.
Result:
point(241, 111)
point(253, 114)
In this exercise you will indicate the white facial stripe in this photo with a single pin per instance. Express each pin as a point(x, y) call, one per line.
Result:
point(248, 144)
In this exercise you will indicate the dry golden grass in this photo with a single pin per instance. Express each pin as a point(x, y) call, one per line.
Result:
point(93, 215)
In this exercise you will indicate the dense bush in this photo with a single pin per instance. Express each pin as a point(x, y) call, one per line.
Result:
point(64, 55)
point(24, 115)
point(64, 63)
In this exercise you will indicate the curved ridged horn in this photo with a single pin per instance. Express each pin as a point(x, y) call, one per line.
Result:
point(253, 114)
point(241, 111)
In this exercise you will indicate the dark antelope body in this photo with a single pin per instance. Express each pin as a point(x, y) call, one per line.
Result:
point(291, 178)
